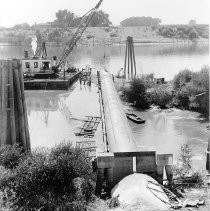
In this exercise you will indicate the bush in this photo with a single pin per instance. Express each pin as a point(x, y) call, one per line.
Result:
point(183, 170)
point(136, 93)
point(62, 178)
point(184, 165)
point(10, 155)
point(192, 90)
point(182, 78)
point(160, 96)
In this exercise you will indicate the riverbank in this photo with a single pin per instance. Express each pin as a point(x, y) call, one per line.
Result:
point(188, 90)
point(101, 35)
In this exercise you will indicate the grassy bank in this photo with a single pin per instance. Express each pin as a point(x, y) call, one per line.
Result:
point(188, 90)
point(108, 35)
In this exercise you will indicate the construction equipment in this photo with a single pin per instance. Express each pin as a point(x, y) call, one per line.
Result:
point(85, 20)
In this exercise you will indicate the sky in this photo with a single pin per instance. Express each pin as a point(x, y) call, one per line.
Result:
point(169, 11)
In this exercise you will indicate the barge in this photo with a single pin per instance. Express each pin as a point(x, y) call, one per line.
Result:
point(39, 73)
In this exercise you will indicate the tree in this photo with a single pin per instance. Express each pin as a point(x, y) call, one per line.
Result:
point(182, 78)
point(22, 26)
point(141, 21)
point(64, 18)
point(192, 22)
point(193, 34)
point(100, 19)
point(136, 93)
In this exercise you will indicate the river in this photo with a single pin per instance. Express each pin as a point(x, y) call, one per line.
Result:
point(55, 116)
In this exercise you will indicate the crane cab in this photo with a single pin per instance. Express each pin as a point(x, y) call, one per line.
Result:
point(35, 65)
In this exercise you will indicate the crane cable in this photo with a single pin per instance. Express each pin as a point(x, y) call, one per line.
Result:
point(85, 20)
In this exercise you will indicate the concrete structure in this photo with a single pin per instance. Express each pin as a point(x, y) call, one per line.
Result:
point(121, 156)
point(119, 135)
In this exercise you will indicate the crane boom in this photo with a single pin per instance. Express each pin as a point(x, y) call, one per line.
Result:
point(85, 20)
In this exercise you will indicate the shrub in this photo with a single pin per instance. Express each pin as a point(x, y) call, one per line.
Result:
point(184, 165)
point(192, 90)
point(182, 78)
point(136, 93)
point(10, 155)
point(62, 178)
point(161, 96)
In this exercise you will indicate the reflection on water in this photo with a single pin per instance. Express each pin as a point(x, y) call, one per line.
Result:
point(164, 60)
point(165, 131)
point(55, 116)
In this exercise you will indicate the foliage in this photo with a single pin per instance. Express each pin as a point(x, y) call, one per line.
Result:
point(136, 93)
point(54, 36)
point(181, 32)
point(182, 78)
point(114, 202)
point(62, 178)
point(184, 165)
point(160, 96)
point(65, 18)
point(141, 21)
point(192, 22)
point(192, 90)
point(22, 26)
point(149, 80)
point(183, 169)
point(100, 19)
point(10, 156)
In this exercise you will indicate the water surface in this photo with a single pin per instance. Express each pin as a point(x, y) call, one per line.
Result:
point(164, 60)
point(55, 116)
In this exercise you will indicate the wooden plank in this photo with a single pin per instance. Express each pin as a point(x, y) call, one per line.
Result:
point(1, 101)
point(11, 105)
point(27, 135)
point(19, 105)
point(4, 104)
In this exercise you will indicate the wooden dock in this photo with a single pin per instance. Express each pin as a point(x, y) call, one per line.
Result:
point(51, 84)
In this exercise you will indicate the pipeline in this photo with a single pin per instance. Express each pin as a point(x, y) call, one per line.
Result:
point(119, 135)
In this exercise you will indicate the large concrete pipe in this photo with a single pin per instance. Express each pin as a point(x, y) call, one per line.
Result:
point(119, 135)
